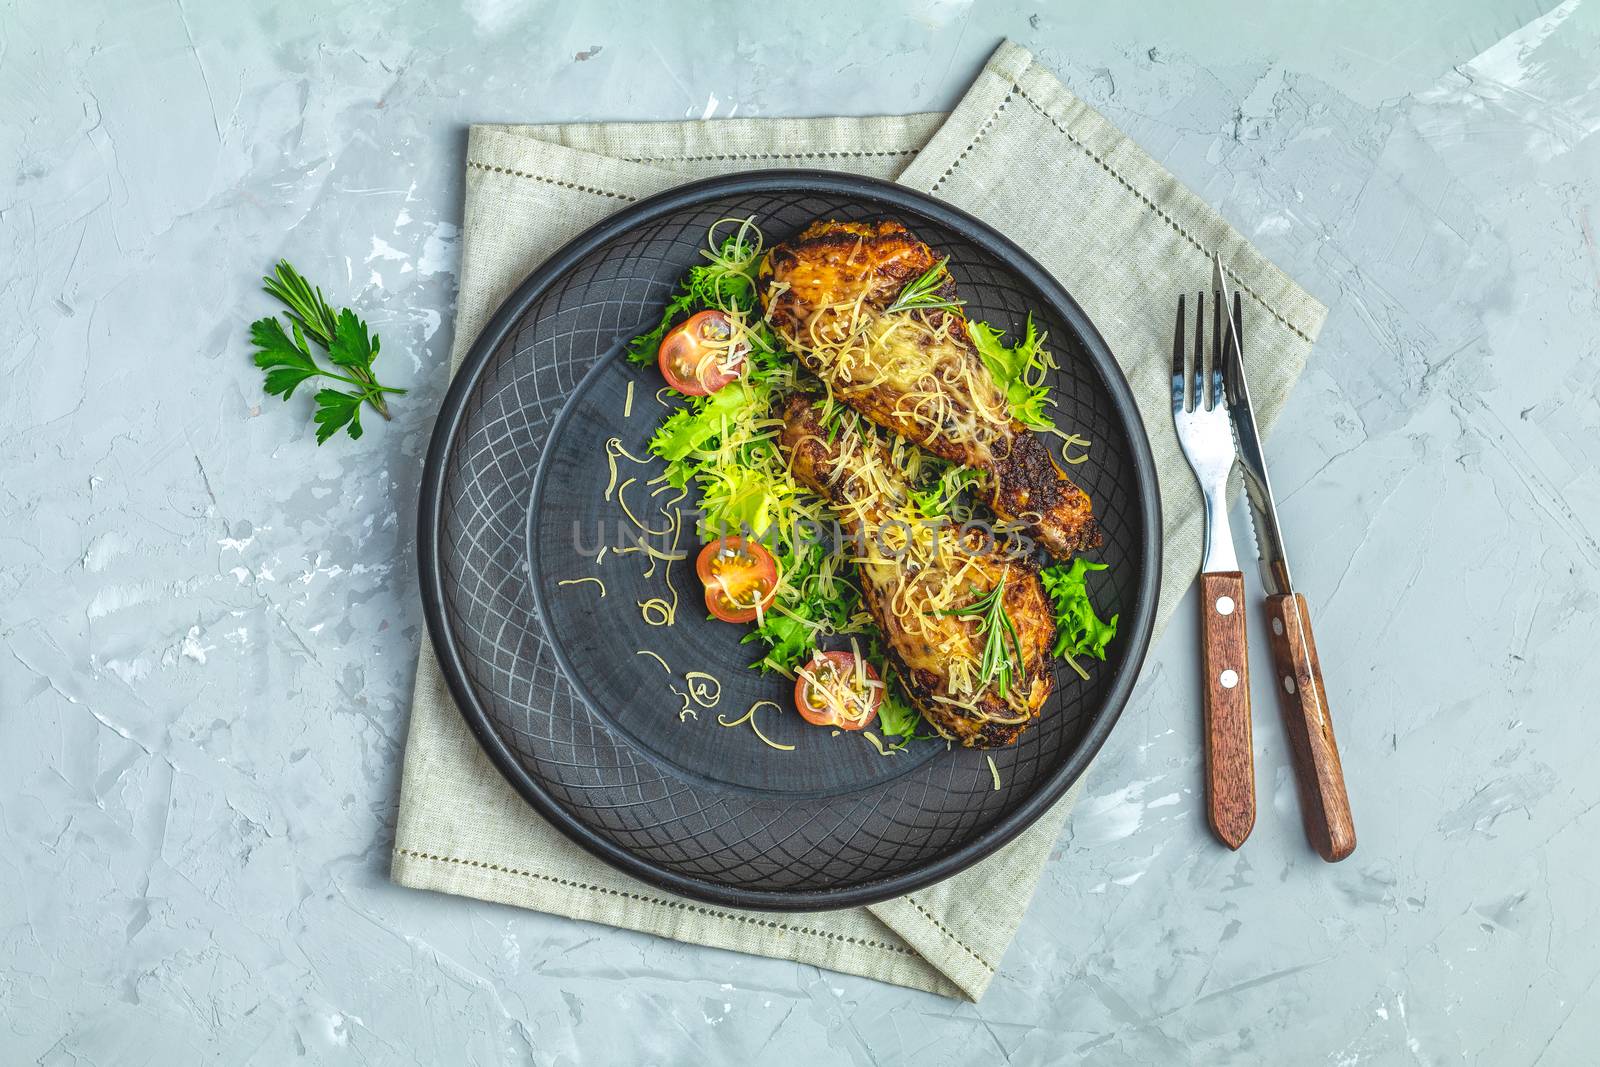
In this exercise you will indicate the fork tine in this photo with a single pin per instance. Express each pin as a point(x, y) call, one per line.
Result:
point(1178, 376)
point(1219, 357)
point(1197, 374)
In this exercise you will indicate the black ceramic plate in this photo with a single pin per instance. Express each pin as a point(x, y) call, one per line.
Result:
point(547, 674)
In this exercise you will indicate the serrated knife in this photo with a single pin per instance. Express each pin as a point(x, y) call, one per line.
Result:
point(1302, 697)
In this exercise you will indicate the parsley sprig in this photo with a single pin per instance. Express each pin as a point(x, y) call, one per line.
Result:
point(998, 662)
point(287, 357)
point(923, 292)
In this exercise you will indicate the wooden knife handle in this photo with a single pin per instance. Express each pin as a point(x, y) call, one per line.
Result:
point(1304, 701)
point(1225, 661)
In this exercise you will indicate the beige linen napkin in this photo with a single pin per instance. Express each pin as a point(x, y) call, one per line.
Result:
point(1020, 152)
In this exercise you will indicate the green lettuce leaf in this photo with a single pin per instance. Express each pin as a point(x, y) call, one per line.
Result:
point(1019, 370)
point(896, 716)
point(1079, 631)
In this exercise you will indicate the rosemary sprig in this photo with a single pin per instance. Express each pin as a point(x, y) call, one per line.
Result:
point(923, 293)
point(997, 630)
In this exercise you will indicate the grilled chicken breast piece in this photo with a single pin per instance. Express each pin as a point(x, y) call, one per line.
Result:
point(916, 372)
point(906, 585)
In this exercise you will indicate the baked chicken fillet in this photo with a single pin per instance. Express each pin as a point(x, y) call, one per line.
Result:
point(916, 578)
point(916, 372)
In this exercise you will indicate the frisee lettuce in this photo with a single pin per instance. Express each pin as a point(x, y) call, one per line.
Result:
point(643, 349)
point(699, 422)
point(1020, 371)
point(817, 596)
point(727, 281)
point(1079, 631)
point(935, 500)
point(896, 716)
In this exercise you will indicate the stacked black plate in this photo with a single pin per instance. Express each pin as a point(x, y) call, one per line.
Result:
point(549, 675)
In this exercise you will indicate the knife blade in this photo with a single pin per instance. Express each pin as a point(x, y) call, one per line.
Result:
point(1252, 460)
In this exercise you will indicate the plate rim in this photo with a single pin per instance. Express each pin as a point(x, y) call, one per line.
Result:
point(430, 515)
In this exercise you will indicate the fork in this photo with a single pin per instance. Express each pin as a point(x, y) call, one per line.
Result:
point(1200, 416)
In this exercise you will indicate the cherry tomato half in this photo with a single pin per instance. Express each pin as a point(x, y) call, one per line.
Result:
point(738, 575)
point(830, 691)
point(700, 356)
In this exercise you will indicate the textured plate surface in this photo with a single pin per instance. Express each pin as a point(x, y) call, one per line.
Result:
point(548, 675)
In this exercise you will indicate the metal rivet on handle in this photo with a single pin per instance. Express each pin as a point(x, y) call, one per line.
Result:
point(1229, 679)
point(1224, 605)
point(1277, 627)
point(1288, 684)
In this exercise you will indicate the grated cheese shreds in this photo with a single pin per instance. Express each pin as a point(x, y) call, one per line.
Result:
point(686, 712)
point(654, 656)
point(614, 448)
point(655, 611)
point(706, 695)
point(750, 717)
point(877, 743)
point(627, 403)
point(1070, 439)
point(576, 581)
point(626, 510)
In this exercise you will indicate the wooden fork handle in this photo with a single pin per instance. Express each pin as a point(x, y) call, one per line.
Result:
point(1303, 699)
point(1225, 661)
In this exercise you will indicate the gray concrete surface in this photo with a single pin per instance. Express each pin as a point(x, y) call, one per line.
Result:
point(209, 624)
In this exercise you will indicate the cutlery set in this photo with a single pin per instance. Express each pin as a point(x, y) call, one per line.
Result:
point(1216, 427)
